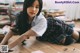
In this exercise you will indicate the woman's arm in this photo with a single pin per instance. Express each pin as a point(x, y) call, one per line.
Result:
point(37, 30)
point(21, 38)
point(7, 37)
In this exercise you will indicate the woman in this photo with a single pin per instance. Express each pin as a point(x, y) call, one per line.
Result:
point(31, 24)
point(28, 23)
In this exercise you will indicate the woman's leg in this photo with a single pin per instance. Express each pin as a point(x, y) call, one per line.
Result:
point(75, 35)
point(71, 39)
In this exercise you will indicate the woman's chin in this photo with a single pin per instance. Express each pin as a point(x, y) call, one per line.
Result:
point(32, 16)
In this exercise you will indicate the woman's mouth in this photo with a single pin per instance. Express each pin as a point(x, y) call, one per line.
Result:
point(32, 13)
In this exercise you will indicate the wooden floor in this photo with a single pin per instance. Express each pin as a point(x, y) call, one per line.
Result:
point(43, 47)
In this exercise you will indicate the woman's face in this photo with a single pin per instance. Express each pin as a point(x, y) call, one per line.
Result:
point(34, 9)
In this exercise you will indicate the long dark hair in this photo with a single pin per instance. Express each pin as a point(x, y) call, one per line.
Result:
point(28, 3)
point(23, 17)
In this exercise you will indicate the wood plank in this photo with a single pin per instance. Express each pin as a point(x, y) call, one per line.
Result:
point(76, 45)
point(42, 47)
point(47, 48)
point(65, 49)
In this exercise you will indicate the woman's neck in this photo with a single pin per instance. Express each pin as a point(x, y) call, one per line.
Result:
point(31, 19)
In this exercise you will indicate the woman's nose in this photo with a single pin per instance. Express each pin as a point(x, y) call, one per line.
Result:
point(34, 8)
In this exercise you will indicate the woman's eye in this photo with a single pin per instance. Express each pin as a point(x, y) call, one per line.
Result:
point(37, 7)
point(34, 6)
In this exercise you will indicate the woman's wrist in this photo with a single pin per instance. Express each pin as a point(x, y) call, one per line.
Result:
point(24, 36)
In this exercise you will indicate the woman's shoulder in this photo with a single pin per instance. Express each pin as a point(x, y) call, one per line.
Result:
point(41, 16)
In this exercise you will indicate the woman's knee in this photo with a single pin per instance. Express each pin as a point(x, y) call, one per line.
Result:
point(75, 35)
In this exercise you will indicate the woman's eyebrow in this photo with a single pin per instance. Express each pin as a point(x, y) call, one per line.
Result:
point(37, 5)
